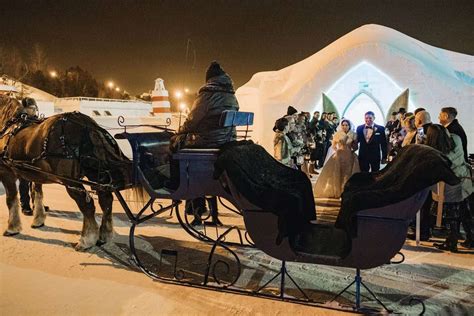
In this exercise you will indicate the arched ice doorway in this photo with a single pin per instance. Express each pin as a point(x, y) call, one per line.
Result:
point(361, 103)
point(363, 88)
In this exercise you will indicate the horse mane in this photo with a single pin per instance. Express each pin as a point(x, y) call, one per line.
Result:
point(9, 108)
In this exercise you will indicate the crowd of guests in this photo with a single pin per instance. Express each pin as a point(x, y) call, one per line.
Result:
point(302, 141)
point(323, 142)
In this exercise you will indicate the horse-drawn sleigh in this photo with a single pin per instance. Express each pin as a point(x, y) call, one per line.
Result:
point(70, 148)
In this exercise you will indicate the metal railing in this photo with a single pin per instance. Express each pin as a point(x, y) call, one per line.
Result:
point(101, 99)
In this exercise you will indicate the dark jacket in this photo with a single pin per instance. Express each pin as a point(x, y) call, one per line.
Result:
point(458, 192)
point(456, 128)
point(313, 126)
point(392, 126)
point(377, 143)
point(201, 129)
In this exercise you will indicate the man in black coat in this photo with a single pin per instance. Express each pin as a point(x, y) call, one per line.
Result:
point(372, 144)
point(30, 108)
point(447, 118)
point(201, 129)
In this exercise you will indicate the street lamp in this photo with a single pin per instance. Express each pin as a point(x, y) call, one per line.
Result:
point(178, 94)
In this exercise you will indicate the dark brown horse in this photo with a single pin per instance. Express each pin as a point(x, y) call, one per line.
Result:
point(68, 148)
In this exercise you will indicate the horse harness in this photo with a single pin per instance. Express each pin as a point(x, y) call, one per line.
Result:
point(15, 125)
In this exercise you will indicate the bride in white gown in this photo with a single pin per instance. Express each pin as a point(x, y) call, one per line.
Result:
point(341, 164)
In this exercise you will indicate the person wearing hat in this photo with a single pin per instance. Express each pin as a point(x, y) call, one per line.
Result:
point(291, 110)
point(30, 108)
point(392, 124)
point(402, 110)
point(201, 128)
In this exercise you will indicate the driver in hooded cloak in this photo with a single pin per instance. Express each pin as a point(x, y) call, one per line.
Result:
point(201, 129)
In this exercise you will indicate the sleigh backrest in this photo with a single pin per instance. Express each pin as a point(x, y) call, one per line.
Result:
point(196, 165)
point(236, 118)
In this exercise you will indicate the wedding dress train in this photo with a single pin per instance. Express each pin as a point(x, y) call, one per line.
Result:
point(342, 164)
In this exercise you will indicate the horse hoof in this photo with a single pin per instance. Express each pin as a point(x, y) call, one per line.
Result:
point(80, 247)
point(105, 237)
point(37, 226)
point(9, 234)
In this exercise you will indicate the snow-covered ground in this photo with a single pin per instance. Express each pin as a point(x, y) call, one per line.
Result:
point(41, 273)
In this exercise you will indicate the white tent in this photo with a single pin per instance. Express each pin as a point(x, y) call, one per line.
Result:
point(366, 69)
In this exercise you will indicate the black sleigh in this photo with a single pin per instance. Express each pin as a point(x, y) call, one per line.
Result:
point(381, 231)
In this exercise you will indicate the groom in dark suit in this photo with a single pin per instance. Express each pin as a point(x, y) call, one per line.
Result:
point(372, 144)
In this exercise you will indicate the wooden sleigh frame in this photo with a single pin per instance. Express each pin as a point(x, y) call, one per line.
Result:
point(381, 231)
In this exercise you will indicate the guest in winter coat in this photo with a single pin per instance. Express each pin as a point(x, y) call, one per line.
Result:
point(422, 122)
point(447, 118)
point(455, 197)
point(408, 124)
point(282, 147)
point(392, 124)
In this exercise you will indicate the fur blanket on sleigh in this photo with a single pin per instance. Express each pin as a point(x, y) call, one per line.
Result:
point(288, 194)
point(270, 185)
point(415, 168)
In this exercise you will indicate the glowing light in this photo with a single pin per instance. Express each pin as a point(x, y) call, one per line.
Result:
point(182, 106)
point(186, 90)
point(178, 94)
point(117, 89)
point(110, 84)
point(53, 74)
point(359, 106)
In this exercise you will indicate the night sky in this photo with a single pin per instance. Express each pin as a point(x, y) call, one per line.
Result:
point(134, 42)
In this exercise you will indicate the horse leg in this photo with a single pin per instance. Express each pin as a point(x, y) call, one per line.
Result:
point(90, 229)
point(106, 232)
point(14, 222)
point(38, 207)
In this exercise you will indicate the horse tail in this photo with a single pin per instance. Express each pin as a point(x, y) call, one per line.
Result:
point(139, 194)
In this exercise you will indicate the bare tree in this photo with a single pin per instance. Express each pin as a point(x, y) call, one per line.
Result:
point(3, 60)
point(38, 59)
point(13, 63)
